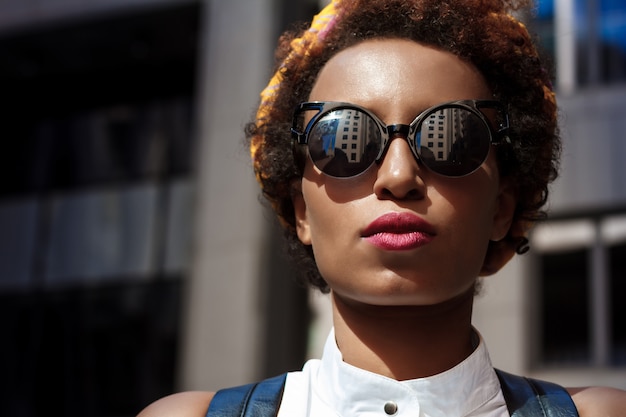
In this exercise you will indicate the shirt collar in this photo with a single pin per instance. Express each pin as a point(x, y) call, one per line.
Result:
point(459, 391)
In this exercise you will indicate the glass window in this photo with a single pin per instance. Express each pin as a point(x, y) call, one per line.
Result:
point(617, 267)
point(582, 269)
point(598, 53)
point(179, 224)
point(18, 223)
point(95, 201)
point(101, 235)
point(564, 307)
point(89, 352)
point(613, 39)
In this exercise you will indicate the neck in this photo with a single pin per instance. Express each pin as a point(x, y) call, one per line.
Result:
point(404, 342)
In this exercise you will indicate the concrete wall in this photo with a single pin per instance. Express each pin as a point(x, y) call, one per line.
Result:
point(222, 340)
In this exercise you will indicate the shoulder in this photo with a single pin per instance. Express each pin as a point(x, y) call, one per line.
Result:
point(184, 404)
point(599, 401)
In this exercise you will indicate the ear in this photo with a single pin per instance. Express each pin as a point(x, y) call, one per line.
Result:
point(299, 205)
point(501, 251)
point(504, 211)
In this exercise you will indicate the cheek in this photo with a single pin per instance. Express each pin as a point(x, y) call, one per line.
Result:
point(332, 230)
point(331, 204)
point(463, 247)
point(470, 216)
point(327, 224)
point(327, 240)
point(474, 215)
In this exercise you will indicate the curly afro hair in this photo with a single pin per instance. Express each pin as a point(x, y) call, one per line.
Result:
point(484, 33)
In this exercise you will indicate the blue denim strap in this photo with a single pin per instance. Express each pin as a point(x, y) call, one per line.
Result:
point(527, 397)
point(261, 399)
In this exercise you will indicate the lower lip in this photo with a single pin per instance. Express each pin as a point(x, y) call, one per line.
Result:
point(399, 241)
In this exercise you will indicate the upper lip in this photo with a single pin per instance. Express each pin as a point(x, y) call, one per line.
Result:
point(398, 222)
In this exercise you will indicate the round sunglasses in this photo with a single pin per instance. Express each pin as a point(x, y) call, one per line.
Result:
point(451, 139)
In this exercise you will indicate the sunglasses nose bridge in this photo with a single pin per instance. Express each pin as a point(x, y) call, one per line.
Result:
point(399, 131)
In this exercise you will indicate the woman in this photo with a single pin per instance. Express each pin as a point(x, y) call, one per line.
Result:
point(406, 146)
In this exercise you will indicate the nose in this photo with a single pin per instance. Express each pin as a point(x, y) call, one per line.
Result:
point(399, 174)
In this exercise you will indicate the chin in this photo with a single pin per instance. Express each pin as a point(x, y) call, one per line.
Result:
point(403, 288)
point(405, 298)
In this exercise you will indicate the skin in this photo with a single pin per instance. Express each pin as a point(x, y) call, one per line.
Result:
point(387, 302)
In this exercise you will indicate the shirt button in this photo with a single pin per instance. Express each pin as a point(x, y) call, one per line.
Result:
point(391, 408)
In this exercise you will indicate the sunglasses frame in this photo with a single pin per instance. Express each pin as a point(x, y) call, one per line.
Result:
point(497, 128)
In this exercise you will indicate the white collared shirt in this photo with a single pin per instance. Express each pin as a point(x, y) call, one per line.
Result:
point(330, 387)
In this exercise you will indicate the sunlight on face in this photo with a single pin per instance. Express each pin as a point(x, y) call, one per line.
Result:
point(399, 234)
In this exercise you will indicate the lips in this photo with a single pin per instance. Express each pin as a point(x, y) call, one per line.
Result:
point(399, 231)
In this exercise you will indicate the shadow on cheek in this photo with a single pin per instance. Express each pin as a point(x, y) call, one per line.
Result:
point(341, 190)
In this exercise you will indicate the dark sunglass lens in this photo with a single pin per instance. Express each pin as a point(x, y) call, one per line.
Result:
point(453, 141)
point(344, 142)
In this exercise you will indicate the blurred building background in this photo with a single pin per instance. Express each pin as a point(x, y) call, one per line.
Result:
point(136, 260)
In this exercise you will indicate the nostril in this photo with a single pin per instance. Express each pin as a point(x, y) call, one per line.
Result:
point(413, 194)
point(400, 194)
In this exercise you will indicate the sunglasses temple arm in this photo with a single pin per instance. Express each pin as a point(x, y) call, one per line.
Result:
point(300, 136)
point(502, 124)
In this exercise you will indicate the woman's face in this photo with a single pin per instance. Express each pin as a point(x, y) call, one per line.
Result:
point(400, 234)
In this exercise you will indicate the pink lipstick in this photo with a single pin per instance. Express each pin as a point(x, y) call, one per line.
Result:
point(399, 231)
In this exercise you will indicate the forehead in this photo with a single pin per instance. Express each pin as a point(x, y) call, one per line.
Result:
point(388, 74)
